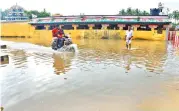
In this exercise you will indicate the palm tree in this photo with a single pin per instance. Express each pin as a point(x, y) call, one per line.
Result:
point(175, 15)
point(170, 16)
point(145, 13)
point(122, 12)
point(129, 11)
point(133, 12)
point(137, 11)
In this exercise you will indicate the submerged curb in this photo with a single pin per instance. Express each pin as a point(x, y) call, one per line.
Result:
point(4, 58)
point(3, 46)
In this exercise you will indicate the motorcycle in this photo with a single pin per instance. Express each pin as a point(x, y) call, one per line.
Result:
point(67, 44)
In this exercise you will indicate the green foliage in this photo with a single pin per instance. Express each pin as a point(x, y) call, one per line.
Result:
point(122, 12)
point(3, 14)
point(37, 13)
point(131, 11)
point(136, 12)
point(145, 13)
point(174, 15)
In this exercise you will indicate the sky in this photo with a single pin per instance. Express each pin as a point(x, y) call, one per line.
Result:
point(88, 7)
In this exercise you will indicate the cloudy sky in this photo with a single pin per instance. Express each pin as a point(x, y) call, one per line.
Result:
point(75, 7)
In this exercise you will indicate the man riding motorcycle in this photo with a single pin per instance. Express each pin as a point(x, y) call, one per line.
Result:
point(59, 38)
point(60, 41)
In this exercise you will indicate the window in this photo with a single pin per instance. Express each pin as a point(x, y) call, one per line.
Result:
point(144, 28)
point(40, 27)
point(113, 27)
point(67, 27)
point(126, 27)
point(20, 10)
point(159, 29)
point(82, 27)
point(97, 26)
point(51, 27)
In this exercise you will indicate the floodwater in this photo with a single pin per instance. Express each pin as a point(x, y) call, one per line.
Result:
point(102, 76)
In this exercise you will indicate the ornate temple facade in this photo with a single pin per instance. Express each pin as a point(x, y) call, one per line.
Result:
point(16, 13)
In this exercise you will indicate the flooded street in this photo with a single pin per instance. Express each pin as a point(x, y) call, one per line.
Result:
point(102, 76)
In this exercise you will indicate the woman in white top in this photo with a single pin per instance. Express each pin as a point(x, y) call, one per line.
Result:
point(128, 37)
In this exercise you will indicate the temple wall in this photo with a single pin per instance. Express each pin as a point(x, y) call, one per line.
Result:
point(25, 30)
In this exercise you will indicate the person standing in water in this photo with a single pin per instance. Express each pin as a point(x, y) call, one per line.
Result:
point(128, 37)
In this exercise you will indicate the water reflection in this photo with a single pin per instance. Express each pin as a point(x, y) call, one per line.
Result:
point(101, 75)
point(18, 58)
point(62, 62)
point(149, 54)
point(127, 61)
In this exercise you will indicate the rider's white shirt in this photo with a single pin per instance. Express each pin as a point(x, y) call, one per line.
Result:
point(129, 34)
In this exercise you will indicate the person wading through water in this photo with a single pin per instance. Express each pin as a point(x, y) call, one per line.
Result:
point(128, 37)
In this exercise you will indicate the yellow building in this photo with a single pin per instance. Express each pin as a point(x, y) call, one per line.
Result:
point(89, 26)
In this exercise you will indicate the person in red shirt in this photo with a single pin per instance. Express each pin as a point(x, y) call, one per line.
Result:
point(55, 36)
point(55, 31)
point(60, 32)
point(60, 37)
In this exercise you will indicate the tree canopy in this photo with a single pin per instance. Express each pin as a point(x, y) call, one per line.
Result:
point(136, 12)
point(37, 13)
point(130, 11)
point(174, 15)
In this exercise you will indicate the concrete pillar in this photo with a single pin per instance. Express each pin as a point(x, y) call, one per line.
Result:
point(47, 27)
point(153, 28)
point(60, 26)
point(121, 26)
point(33, 27)
point(135, 27)
point(91, 26)
point(104, 26)
point(75, 26)
point(167, 31)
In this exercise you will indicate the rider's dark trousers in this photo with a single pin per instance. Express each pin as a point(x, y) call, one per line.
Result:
point(60, 42)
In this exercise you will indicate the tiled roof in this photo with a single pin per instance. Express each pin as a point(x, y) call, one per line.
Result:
point(101, 19)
